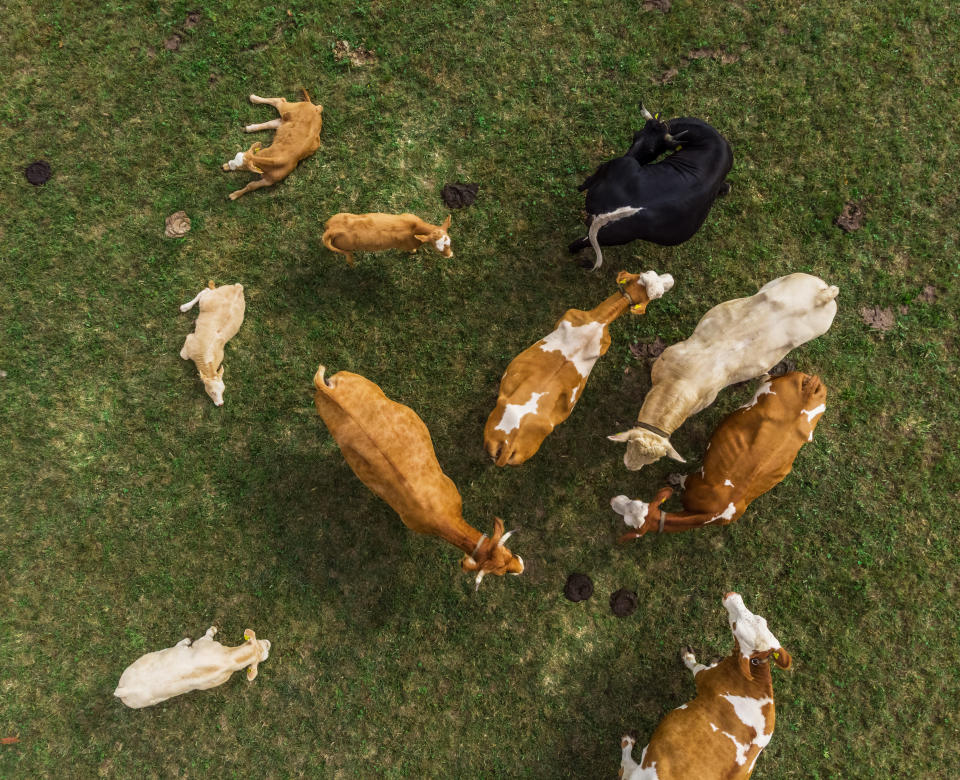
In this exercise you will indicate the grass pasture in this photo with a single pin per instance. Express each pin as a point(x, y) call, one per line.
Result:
point(134, 513)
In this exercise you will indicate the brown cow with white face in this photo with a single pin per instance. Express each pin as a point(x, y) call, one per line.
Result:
point(389, 448)
point(720, 734)
point(543, 383)
point(750, 452)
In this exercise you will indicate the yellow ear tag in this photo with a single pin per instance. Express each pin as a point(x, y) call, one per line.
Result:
point(246, 635)
point(776, 655)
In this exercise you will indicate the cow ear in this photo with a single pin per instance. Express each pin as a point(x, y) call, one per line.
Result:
point(497, 531)
point(251, 672)
point(782, 658)
point(446, 223)
point(422, 239)
point(672, 453)
point(625, 436)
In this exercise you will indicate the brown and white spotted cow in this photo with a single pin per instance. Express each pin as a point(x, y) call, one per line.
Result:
point(543, 383)
point(720, 734)
point(750, 452)
point(389, 448)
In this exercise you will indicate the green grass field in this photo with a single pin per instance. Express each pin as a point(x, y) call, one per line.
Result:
point(135, 513)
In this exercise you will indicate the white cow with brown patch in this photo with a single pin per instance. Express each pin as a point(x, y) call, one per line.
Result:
point(735, 341)
point(543, 383)
point(187, 666)
point(720, 734)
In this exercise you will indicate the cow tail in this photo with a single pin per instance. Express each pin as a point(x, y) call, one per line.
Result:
point(603, 219)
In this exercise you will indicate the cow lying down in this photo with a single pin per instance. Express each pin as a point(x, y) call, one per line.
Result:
point(185, 667)
point(735, 341)
point(346, 233)
point(720, 734)
point(750, 452)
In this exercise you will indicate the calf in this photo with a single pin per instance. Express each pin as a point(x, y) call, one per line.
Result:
point(221, 314)
point(541, 385)
point(346, 233)
point(735, 341)
point(389, 448)
point(186, 667)
point(297, 137)
point(719, 734)
point(632, 197)
point(751, 451)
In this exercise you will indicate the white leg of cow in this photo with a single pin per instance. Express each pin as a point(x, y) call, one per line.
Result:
point(269, 101)
point(189, 305)
point(273, 124)
point(210, 632)
point(690, 661)
point(627, 764)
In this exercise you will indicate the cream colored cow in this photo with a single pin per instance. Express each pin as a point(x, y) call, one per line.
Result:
point(735, 341)
point(186, 667)
point(221, 315)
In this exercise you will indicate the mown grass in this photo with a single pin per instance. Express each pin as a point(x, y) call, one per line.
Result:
point(136, 513)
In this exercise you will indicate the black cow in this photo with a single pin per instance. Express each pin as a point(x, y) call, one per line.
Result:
point(632, 197)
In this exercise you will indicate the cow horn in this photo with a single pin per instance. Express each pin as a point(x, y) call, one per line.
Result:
point(673, 138)
point(646, 114)
point(479, 580)
point(506, 536)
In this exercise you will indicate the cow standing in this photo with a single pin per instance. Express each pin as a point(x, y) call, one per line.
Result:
point(666, 202)
point(720, 734)
point(749, 453)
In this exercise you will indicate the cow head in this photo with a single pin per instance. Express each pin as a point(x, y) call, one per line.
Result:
point(645, 447)
point(244, 160)
point(492, 557)
point(438, 237)
point(261, 650)
point(653, 140)
point(755, 644)
point(640, 515)
point(214, 386)
point(643, 288)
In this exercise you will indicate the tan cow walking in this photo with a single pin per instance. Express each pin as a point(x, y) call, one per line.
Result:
point(543, 383)
point(749, 453)
point(297, 137)
point(389, 448)
point(348, 233)
point(221, 315)
point(720, 734)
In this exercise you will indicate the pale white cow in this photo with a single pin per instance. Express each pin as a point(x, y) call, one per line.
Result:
point(221, 315)
point(735, 341)
point(186, 667)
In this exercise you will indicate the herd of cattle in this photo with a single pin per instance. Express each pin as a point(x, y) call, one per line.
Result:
point(722, 731)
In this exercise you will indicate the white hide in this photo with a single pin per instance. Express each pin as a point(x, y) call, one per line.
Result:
point(236, 162)
point(656, 284)
point(764, 389)
point(728, 483)
point(513, 413)
point(750, 630)
point(811, 413)
point(749, 711)
point(185, 667)
point(442, 243)
point(726, 514)
point(634, 512)
point(580, 344)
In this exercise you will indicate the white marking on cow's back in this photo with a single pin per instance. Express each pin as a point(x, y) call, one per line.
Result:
point(726, 514)
point(580, 344)
point(513, 413)
point(764, 389)
point(728, 482)
point(749, 712)
point(645, 772)
point(811, 413)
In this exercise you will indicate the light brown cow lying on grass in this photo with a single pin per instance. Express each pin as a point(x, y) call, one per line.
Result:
point(749, 453)
point(718, 735)
point(297, 137)
point(389, 448)
point(543, 383)
point(221, 315)
point(347, 233)
point(185, 667)
point(735, 341)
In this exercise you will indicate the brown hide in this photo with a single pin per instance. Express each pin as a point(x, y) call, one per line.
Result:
point(754, 448)
point(346, 233)
point(686, 745)
point(389, 448)
point(554, 376)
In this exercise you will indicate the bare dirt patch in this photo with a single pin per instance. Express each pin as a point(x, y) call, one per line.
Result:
point(173, 42)
point(656, 5)
point(720, 55)
point(649, 351)
point(877, 318)
point(852, 217)
point(927, 295)
point(356, 55)
point(192, 20)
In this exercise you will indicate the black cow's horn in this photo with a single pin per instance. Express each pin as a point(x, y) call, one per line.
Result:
point(646, 114)
point(672, 138)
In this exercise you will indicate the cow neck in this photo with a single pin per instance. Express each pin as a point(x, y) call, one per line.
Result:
point(667, 405)
point(612, 307)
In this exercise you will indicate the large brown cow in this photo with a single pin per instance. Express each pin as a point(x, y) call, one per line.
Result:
point(749, 453)
point(718, 735)
point(389, 448)
point(543, 383)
